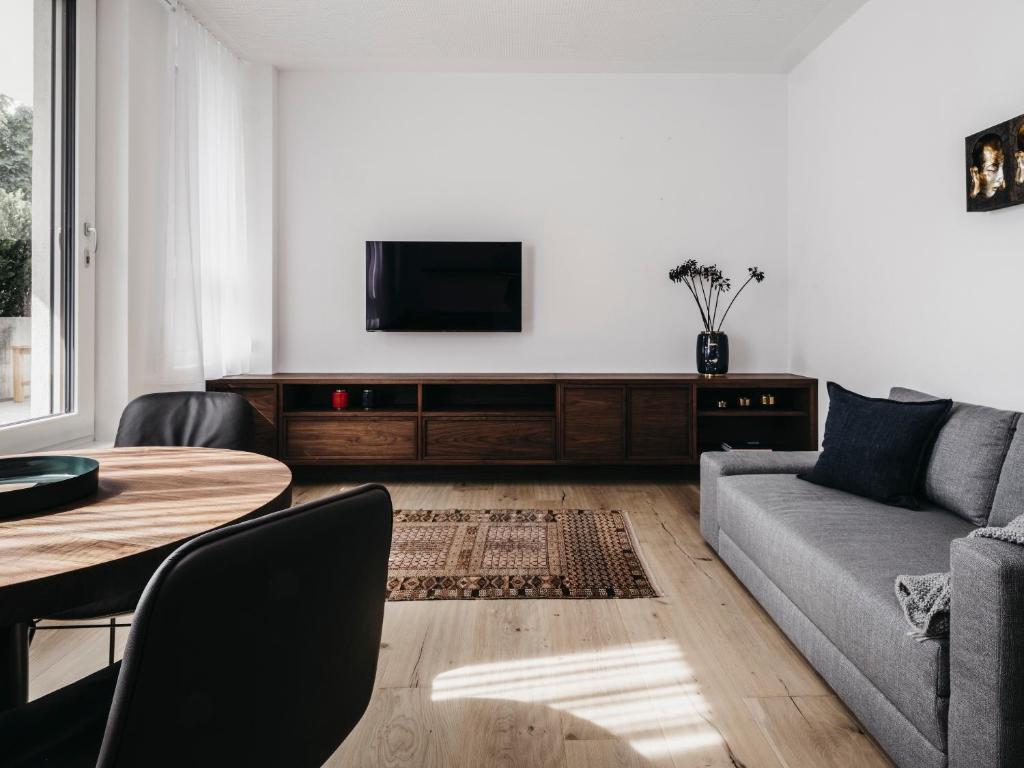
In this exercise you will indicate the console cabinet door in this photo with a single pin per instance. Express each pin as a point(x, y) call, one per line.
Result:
point(659, 422)
point(593, 423)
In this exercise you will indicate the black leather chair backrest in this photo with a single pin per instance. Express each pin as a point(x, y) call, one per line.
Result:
point(197, 419)
point(256, 644)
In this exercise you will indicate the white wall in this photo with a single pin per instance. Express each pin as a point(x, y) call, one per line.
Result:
point(891, 281)
point(260, 112)
point(609, 180)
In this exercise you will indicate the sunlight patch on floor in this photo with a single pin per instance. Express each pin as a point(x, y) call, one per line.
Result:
point(643, 693)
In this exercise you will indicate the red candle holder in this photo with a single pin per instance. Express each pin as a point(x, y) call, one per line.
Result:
point(339, 399)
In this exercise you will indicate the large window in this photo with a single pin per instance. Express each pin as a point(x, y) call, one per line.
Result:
point(40, 231)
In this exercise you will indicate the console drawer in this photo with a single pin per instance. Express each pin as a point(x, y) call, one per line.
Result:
point(488, 438)
point(350, 437)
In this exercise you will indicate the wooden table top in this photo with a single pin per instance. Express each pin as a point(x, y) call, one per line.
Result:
point(148, 498)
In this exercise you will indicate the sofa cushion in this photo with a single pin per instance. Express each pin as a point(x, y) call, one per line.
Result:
point(875, 447)
point(967, 456)
point(836, 556)
point(1009, 501)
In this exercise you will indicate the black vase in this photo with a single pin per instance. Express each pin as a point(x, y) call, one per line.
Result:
point(712, 353)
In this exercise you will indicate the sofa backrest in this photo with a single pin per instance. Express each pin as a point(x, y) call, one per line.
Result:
point(967, 460)
point(1009, 501)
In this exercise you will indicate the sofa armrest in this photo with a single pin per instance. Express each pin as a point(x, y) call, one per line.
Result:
point(986, 654)
point(714, 465)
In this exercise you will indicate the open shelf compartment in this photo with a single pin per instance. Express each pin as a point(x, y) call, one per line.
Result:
point(772, 434)
point(316, 398)
point(764, 401)
point(489, 398)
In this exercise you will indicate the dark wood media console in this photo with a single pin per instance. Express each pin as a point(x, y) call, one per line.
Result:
point(453, 419)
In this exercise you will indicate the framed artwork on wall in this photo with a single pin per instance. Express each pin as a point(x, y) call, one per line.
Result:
point(995, 166)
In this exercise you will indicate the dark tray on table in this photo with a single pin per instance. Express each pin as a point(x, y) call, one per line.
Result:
point(37, 483)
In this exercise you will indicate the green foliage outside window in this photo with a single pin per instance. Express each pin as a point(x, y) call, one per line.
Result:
point(15, 208)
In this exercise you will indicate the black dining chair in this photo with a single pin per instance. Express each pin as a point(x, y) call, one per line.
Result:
point(216, 671)
point(192, 419)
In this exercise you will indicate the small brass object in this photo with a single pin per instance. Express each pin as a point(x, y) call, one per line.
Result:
point(723, 404)
point(744, 402)
point(768, 400)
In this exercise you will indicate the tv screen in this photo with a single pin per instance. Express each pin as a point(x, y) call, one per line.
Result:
point(421, 286)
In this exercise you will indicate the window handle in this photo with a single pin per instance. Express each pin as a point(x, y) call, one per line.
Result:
point(90, 232)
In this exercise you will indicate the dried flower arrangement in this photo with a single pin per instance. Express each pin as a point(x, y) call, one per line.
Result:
point(707, 283)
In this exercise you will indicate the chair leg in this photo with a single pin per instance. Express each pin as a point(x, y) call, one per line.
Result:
point(113, 634)
point(34, 627)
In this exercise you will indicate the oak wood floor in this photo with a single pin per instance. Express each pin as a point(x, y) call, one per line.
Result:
point(698, 677)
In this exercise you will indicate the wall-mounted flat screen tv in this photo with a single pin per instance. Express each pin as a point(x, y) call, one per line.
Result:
point(433, 286)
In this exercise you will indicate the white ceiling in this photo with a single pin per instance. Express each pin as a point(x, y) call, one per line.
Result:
point(525, 35)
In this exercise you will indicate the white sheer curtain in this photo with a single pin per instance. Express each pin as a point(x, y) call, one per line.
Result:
point(204, 273)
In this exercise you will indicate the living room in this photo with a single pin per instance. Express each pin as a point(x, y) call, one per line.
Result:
point(479, 383)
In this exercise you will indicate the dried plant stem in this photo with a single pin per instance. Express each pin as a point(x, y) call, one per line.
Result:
point(707, 298)
point(693, 290)
point(734, 297)
point(718, 295)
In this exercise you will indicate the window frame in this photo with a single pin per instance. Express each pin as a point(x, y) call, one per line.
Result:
point(73, 309)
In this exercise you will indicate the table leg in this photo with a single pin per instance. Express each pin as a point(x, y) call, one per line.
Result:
point(14, 672)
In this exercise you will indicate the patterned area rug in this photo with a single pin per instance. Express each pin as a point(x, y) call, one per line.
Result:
point(465, 554)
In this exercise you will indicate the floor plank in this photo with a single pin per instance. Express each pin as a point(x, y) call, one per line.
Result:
point(406, 728)
point(699, 676)
point(813, 730)
point(61, 656)
point(602, 754)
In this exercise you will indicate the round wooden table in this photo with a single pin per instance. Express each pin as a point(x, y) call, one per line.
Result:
point(149, 501)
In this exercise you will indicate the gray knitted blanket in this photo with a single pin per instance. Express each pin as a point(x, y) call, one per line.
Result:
point(925, 599)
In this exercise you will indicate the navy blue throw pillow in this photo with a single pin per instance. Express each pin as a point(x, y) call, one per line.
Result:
point(875, 447)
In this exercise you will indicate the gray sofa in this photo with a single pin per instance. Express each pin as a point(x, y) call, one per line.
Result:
point(823, 562)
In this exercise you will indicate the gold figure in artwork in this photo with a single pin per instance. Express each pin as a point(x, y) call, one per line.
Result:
point(987, 174)
point(1019, 177)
